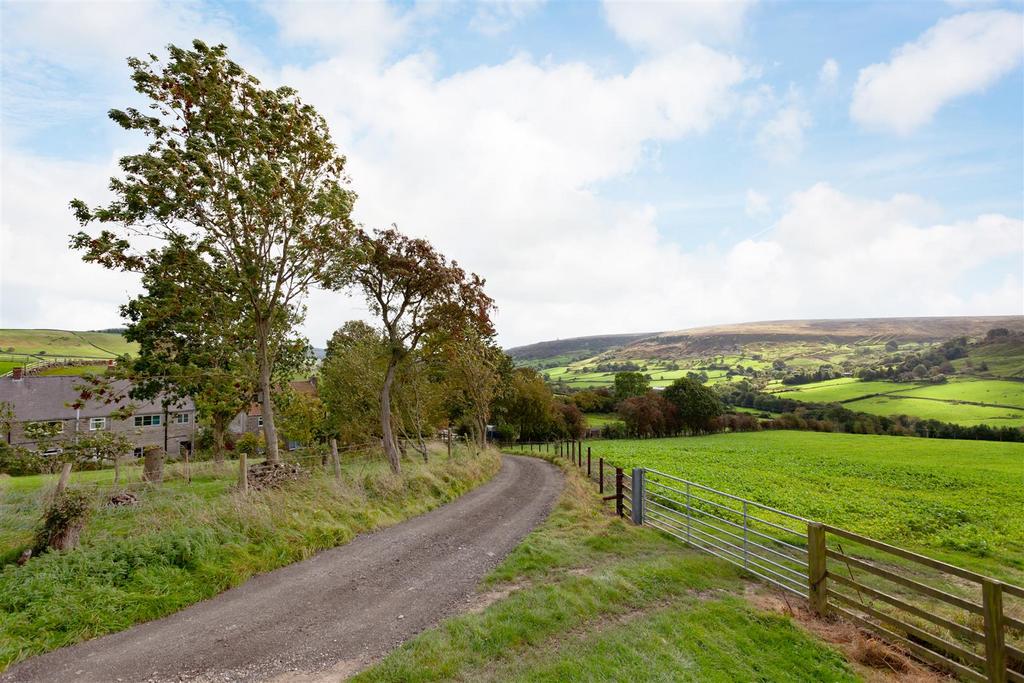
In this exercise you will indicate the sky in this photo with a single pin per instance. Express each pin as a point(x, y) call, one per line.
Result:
point(607, 167)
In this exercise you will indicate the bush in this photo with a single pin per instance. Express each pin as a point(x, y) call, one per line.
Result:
point(19, 461)
point(63, 521)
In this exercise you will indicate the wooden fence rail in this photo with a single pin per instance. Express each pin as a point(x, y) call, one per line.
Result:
point(959, 621)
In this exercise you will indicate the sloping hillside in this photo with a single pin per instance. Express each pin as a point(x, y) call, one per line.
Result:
point(564, 351)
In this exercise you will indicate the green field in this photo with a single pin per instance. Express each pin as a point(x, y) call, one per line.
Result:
point(961, 501)
point(64, 343)
point(597, 420)
point(945, 411)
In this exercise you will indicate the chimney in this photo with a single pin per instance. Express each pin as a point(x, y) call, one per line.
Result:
point(16, 372)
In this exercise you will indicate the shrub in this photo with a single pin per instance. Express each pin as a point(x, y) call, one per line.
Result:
point(63, 521)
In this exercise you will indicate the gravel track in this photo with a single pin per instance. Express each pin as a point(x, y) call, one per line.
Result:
point(331, 615)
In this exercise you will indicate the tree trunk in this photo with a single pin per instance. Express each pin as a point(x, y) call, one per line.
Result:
point(219, 428)
point(65, 475)
point(269, 428)
point(117, 469)
point(390, 449)
point(153, 465)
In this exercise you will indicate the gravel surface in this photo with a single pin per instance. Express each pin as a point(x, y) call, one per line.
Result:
point(331, 615)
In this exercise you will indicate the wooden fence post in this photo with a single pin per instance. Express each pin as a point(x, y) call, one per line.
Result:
point(817, 569)
point(588, 461)
point(995, 645)
point(600, 475)
point(335, 461)
point(243, 473)
point(618, 491)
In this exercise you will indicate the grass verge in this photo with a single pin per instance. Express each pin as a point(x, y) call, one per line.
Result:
point(589, 597)
point(184, 543)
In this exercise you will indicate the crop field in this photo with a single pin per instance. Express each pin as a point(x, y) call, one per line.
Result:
point(959, 501)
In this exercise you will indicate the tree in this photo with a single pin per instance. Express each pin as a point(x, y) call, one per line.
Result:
point(303, 416)
point(415, 292)
point(629, 384)
point(246, 177)
point(102, 445)
point(476, 367)
point(697, 404)
point(351, 379)
point(527, 406)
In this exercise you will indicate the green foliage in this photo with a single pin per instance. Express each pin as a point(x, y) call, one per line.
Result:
point(64, 517)
point(629, 384)
point(697, 404)
point(246, 192)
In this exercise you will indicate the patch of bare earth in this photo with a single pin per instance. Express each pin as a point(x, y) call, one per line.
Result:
point(874, 660)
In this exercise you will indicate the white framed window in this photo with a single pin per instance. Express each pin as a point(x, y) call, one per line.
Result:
point(259, 421)
point(147, 420)
point(97, 423)
point(53, 450)
point(182, 418)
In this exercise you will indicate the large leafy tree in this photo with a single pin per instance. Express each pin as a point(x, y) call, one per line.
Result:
point(245, 177)
point(698, 405)
point(416, 293)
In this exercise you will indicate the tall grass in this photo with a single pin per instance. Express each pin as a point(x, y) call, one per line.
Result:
point(187, 542)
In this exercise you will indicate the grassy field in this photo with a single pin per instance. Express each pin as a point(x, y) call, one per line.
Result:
point(960, 501)
point(588, 597)
point(946, 411)
point(597, 420)
point(65, 343)
point(186, 542)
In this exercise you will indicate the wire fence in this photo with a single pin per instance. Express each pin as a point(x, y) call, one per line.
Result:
point(956, 620)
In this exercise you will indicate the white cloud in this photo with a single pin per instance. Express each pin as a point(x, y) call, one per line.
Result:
point(664, 26)
point(758, 205)
point(781, 138)
point(493, 17)
point(829, 73)
point(365, 31)
point(958, 56)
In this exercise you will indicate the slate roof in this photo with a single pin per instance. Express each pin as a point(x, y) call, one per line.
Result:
point(45, 398)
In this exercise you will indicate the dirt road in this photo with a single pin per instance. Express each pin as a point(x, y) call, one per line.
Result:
point(328, 616)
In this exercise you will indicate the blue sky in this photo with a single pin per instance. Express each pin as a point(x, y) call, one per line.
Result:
point(609, 167)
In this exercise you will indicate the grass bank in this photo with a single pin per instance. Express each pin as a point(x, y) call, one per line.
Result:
point(185, 542)
point(589, 597)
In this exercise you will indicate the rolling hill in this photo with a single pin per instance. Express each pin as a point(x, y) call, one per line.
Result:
point(986, 384)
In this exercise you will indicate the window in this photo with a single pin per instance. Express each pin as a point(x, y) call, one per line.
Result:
point(137, 452)
point(181, 418)
point(259, 421)
point(53, 451)
point(97, 423)
point(147, 420)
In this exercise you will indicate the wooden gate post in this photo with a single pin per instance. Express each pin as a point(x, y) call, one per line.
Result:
point(817, 569)
point(637, 502)
point(588, 461)
point(600, 475)
point(995, 644)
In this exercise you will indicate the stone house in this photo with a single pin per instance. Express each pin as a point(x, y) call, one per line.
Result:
point(46, 399)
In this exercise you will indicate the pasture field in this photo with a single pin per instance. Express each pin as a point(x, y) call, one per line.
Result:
point(945, 411)
point(65, 343)
point(8, 365)
point(73, 370)
point(991, 391)
point(601, 419)
point(959, 501)
point(838, 390)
